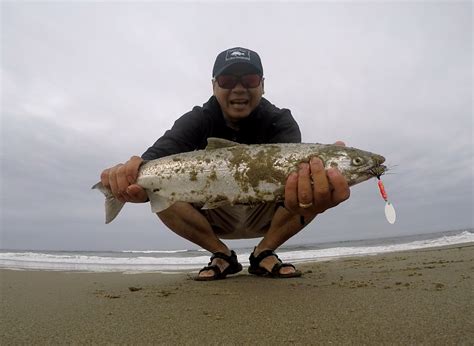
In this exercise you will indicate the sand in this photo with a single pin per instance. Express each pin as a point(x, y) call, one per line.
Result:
point(411, 297)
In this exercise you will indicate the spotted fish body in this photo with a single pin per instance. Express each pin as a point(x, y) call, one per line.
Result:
point(231, 173)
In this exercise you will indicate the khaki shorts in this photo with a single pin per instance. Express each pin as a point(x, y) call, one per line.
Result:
point(241, 221)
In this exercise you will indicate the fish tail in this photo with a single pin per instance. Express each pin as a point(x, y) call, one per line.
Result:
point(112, 204)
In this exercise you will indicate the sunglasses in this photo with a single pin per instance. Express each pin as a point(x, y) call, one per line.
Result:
point(227, 81)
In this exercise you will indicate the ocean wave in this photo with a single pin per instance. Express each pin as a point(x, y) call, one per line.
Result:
point(155, 251)
point(42, 261)
point(190, 260)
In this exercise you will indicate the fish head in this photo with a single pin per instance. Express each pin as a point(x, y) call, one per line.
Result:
point(355, 165)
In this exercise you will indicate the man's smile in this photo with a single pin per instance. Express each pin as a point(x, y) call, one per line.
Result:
point(239, 102)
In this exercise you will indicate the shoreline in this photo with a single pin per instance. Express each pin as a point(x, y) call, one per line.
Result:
point(412, 296)
point(65, 267)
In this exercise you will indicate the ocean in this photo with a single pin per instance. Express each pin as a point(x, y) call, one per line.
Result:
point(173, 261)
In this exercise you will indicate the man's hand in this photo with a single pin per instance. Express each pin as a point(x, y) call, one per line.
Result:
point(121, 179)
point(315, 187)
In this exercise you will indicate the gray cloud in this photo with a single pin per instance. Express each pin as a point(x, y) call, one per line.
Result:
point(86, 85)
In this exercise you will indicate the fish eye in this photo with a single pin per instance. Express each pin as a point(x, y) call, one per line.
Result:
point(357, 161)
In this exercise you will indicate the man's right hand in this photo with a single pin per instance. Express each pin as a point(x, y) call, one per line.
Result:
point(121, 179)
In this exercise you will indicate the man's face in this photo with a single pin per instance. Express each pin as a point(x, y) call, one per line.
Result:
point(237, 103)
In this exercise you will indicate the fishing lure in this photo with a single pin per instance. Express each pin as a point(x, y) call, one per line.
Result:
point(390, 213)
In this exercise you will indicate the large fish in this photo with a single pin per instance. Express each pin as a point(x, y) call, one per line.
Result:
point(231, 173)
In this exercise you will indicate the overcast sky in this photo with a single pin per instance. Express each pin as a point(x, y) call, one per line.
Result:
point(86, 85)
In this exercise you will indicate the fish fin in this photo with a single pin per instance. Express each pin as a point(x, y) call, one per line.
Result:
point(158, 203)
point(112, 204)
point(217, 143)
point(215, 204)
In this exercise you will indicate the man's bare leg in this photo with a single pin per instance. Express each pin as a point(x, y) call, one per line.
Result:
point(184, 220)
point(284, 225)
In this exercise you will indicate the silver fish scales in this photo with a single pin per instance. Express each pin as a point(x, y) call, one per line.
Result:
point(230, 173)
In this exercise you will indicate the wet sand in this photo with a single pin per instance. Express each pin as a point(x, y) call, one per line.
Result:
point(412, 297)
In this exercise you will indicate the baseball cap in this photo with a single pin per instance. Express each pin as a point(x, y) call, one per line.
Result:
point(237, 55)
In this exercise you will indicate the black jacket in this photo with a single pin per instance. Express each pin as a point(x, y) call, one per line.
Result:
point(266, 124)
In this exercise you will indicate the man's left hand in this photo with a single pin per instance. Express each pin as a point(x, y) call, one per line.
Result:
point(313, 189)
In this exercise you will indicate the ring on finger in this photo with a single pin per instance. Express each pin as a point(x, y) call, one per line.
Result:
point(305, 205)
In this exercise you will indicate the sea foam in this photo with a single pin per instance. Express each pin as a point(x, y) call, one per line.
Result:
point(136, 261)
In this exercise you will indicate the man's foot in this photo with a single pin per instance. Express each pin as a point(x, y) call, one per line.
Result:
point(267, 263)
point(219, 267)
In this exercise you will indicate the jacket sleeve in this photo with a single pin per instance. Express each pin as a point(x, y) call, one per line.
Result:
point(185, 135)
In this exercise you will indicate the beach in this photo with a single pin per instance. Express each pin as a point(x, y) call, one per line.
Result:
point(410, 297)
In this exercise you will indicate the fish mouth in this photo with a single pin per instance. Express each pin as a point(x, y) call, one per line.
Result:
point(378, 170)
point(365, 174)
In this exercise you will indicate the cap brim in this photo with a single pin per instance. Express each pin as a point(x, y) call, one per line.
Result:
point(239, 68)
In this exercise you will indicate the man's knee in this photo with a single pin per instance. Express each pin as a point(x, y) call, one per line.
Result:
point(175, 210)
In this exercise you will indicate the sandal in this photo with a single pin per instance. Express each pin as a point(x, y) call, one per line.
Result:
point(233, 267)
point(256, 269)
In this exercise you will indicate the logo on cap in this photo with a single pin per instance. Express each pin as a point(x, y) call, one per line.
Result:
point(237, 53)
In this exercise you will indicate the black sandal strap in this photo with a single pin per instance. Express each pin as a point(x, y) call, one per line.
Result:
point(276, 268)
point(255, 260)
point(234, 265)
point(215, 268)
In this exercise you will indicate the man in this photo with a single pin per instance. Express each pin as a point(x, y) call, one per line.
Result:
point(238, 112)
